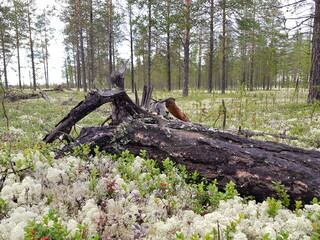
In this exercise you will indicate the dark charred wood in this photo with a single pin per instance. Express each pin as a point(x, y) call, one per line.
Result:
point(58, 88)
point(249, 134)
point(17, 97)
point(117, 78)
point(146, 96)
point(253, 165)
point(94, 99)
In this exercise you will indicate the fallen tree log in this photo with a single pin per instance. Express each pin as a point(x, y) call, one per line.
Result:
point(17, 97)
point(253, 165)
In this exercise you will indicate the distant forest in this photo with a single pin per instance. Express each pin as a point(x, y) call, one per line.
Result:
point(173, 44)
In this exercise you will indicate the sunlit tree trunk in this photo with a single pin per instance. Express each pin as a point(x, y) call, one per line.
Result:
point(186, 49)
point(4, 59)
point(210, 67)
point(92, 79)
point(149, 43)
point(110, 37)
point(252, 54)
point(223, 77)
point(168, 30)
point(31, 48)
point(78, 66)
point(199, 58)
point(314, 89)
point(131, 45)
point(17, 36)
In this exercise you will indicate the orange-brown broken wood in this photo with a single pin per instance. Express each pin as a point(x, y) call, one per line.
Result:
point(175, 111)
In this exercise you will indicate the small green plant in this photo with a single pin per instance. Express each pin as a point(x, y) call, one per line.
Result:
point(82, 151)
point(180, 235)
point(273, 206)
point(315, 106)
point(50, 228)
point(195, 236)
point(230, 191)
point(281, 193)
point(93, 180)
point(266, 236)
point(283, 235)
point(213, 235)
point(3, 208)
point(124, 162)
point(232, 227)
point(49, 199)
point(316, 228)
point(315, 201)
point(298, 206)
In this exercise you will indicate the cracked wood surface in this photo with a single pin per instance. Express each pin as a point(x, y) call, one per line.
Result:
point(253, 165)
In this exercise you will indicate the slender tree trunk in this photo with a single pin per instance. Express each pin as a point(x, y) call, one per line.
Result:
point(18, 50)
point(44, 64)
point(32, 52)
point(44, 50)
point(269, 82)
point(47, 61)
point(66, 69)
point(169, 87)
point(88, 61)
point(149, 43)
point(131, 46)
point(224, 78)
point(75, 64)
point(19, 63)
point(252, 65)
point(82, 53)
point(78, 67)
point(110, 37)
point(252, 51)
point(91, 43)
point(180, 72)
point(186, 49)
point(144, 64)
point(83, 65)
point(4, 58)
point(244, 63)
point(210, 67)
point(200, 59)
point(46, 56)
point(314, 89)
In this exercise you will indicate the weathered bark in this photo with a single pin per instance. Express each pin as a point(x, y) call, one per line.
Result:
point(210, 67)
point(92, 79)
point(186, 49)
point(81, 44)
point(224, 52)
point(131, 46)
point(168, 42)
point(32, 51)
point(314, 92)
point(110, 24)
point(93, 100)
point(253, 165)
point(17, 97)
point(199, 80)
point(149, 42)
point(17, 38)
point(4, 57)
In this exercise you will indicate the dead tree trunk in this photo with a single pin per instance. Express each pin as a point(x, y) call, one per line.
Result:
point(253, 165)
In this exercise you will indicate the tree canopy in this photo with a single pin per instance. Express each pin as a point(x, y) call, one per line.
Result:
point(204, 44)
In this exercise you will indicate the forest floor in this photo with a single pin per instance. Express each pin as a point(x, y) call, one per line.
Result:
point(127, 197)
